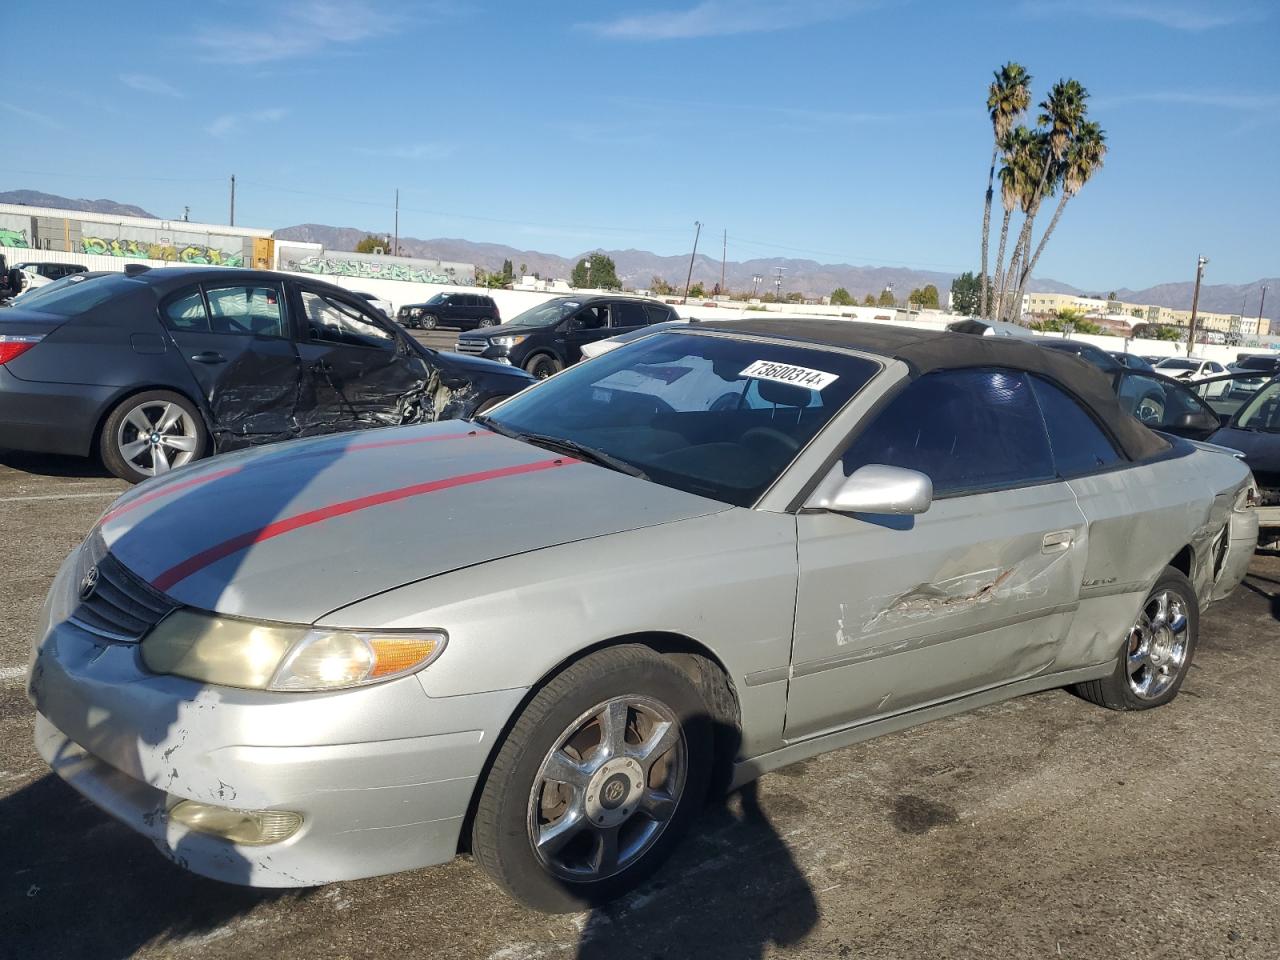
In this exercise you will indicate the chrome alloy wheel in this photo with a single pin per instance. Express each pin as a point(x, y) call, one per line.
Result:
point(607, 789)
point(156, 436)
point(1158, 645)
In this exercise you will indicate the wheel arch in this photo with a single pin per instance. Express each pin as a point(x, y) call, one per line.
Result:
point(132, 391)
point(694, 658)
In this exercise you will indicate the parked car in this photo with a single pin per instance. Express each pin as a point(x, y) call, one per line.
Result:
point(1130, 361)
point(549, 337)
point(1265, 364)
point(51, 270)
point(382, 306)
point(154, 371)
point(698, 558)
point(598, 347)
point(466, 311)
point(1254, 429)
point(1189, 368)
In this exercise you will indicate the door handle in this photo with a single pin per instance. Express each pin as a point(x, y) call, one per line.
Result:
point(1058, 541)
point(209, 356)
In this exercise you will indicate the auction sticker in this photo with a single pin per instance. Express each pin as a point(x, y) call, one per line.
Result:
point(786, 373)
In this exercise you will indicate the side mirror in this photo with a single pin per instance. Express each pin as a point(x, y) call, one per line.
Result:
point(875, 489)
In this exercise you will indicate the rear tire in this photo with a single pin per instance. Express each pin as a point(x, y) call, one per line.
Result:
point(151, 433)
point(487, 322)
point(632, 741)
point(542, 366)
point(1157, 651)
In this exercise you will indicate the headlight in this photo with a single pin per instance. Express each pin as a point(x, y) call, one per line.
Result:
point(509, 341)
point(283, 656)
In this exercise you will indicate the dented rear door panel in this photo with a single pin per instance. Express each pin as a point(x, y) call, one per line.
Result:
point(977, 591)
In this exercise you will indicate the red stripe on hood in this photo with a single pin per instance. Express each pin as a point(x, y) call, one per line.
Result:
point(219, 474)
point(180, 571)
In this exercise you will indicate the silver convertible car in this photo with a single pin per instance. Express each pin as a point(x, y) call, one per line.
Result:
point(544, 636)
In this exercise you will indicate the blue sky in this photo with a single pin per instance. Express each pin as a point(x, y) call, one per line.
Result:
point(840, 130)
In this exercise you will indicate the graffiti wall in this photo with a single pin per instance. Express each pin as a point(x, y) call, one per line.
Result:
point(142, 250)
point(13, 238)
point(372, 270)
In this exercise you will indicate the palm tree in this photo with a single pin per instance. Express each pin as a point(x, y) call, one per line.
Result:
point(1083, 159)
point(1025, 150)
point(1060, 118)
point(1007, 100)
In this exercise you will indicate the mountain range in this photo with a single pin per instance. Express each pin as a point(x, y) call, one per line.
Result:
point(637, 268)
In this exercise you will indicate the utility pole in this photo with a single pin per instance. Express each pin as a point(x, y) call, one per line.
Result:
point(724, 255)
point(1195, 303)
point(777, 286)
point(233, 200)
point(689, 278)
point(756, 280)
point(186, 214)
point(1260, 306)
point(395, 250)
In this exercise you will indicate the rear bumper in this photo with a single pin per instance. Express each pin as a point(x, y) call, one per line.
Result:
point(49, 417)
point(382, 776)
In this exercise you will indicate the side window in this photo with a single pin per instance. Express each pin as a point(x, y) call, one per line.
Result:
point(245, 310)
point(186, 314)
point(657, 313)
point(469, 301)
point(1078, 443)
point(626, 314)
point(967, 430)
point(593, 317)
point(336, 321)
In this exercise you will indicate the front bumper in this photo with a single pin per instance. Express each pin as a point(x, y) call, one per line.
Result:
point(382, 775)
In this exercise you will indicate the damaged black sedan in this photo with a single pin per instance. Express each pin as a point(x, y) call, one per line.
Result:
point(157, 370)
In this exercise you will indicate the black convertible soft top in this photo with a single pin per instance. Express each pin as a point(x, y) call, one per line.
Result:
point(924, 351)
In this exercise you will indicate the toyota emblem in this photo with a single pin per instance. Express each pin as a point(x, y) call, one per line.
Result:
point(90, 583)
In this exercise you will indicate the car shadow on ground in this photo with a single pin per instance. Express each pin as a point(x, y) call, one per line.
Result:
point(732, 890)
point(52, 465)
point(1265, 587)
point(77, 884)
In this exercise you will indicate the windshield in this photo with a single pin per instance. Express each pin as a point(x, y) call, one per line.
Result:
point(545, 314)
point(711, 415)
point(1173, 363)
point(439, 298)
point(1262, 413)
point(69, 296)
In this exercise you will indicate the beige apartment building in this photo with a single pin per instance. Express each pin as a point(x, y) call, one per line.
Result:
point(1047, 304)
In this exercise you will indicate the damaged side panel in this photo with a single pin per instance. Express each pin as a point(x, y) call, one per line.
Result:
point(978, 591)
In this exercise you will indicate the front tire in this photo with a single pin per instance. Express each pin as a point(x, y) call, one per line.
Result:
point(600, 775)
point(429, 322)
point(151, 433)
point(543, 366)
point(1156, 653)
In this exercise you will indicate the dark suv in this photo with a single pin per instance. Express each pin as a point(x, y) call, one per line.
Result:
point(466, 311)
point(549, 337)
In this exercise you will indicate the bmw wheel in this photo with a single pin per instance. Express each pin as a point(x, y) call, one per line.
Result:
point(597, 779)
point(1156, 654)
point(150, 434)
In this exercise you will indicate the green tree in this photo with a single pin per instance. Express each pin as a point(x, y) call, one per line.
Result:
point(840, 297)
point(927, 296)
point(508, 271)
point(795, 296)
point(886, 299)
point(597, 272)
point(371, 243)
point(1007, 99)
point(524, 269)
point(1083, 158)
point(660, 287)
point(869, 300)
point(697, 290)
point(966, 294)
point(1023, 152)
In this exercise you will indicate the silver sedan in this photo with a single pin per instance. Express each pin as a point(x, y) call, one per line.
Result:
point(546, 635)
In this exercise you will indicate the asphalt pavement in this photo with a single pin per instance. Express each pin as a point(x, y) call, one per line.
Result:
point(1041, 827)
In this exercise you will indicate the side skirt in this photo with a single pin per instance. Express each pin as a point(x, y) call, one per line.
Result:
point(745, 771)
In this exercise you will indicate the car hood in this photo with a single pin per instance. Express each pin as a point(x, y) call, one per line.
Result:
point(503, 330)
point(1261, 450)
point(296, 530)
point(478, 365)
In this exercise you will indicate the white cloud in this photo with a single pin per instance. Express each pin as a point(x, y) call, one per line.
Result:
point(231, 122)
point(719, 18)
point(32, 116)
point(302, 28)
point(1188, 15)
point(145, 83)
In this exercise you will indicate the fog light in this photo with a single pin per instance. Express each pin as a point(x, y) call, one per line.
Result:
point(247, 827)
